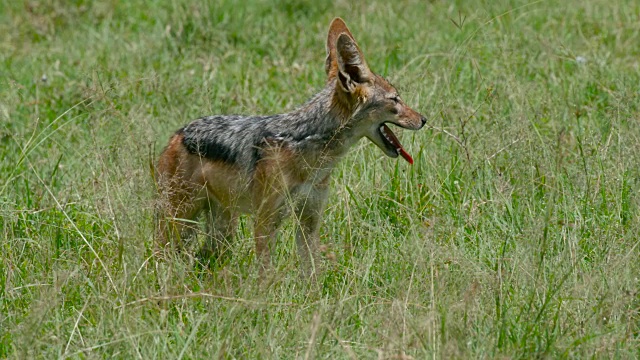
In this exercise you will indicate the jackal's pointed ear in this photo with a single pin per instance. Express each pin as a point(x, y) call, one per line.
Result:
point(352, 68)
point(336, 28)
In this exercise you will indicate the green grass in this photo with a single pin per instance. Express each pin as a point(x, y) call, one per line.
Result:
point(514, 235)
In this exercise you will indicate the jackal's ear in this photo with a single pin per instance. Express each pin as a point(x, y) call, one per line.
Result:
point(336, 28)
point(352, 68)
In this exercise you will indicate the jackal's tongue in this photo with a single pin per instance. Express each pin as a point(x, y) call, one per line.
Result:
point(391, 137)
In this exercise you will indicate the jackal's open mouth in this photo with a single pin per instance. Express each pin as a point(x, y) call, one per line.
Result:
point(393, 144)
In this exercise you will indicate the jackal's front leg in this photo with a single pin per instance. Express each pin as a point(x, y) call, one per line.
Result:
point(269, 215)
point(309, 211)
point(266, 226)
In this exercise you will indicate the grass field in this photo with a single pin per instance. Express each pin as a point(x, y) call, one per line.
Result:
point(514, 235)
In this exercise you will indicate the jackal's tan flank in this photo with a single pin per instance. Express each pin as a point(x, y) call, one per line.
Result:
point(226, 165)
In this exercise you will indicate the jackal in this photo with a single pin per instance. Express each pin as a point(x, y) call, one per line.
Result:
point(226, 165)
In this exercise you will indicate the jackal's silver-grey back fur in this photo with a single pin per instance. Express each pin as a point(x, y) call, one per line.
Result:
point(238, 139)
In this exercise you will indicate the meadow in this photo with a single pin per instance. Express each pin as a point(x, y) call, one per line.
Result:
point(514, 235)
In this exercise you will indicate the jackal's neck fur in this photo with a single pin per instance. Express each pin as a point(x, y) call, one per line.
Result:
point(324, 120)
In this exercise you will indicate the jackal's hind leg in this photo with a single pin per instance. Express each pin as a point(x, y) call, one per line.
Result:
point(221, 226)
point(177, 210)
point(174, 225)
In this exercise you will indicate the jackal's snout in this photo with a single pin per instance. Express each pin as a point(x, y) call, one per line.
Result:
point(411, 119)
point(402, 116)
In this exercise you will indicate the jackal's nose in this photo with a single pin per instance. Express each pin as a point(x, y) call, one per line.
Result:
point(423, 120)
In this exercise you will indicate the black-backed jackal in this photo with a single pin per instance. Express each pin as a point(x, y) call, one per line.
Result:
point(226, 165)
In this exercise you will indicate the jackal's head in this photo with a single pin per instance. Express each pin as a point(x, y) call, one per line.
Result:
point(369, 100)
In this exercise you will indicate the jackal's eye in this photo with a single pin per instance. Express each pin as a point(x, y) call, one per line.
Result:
point(395, 99)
